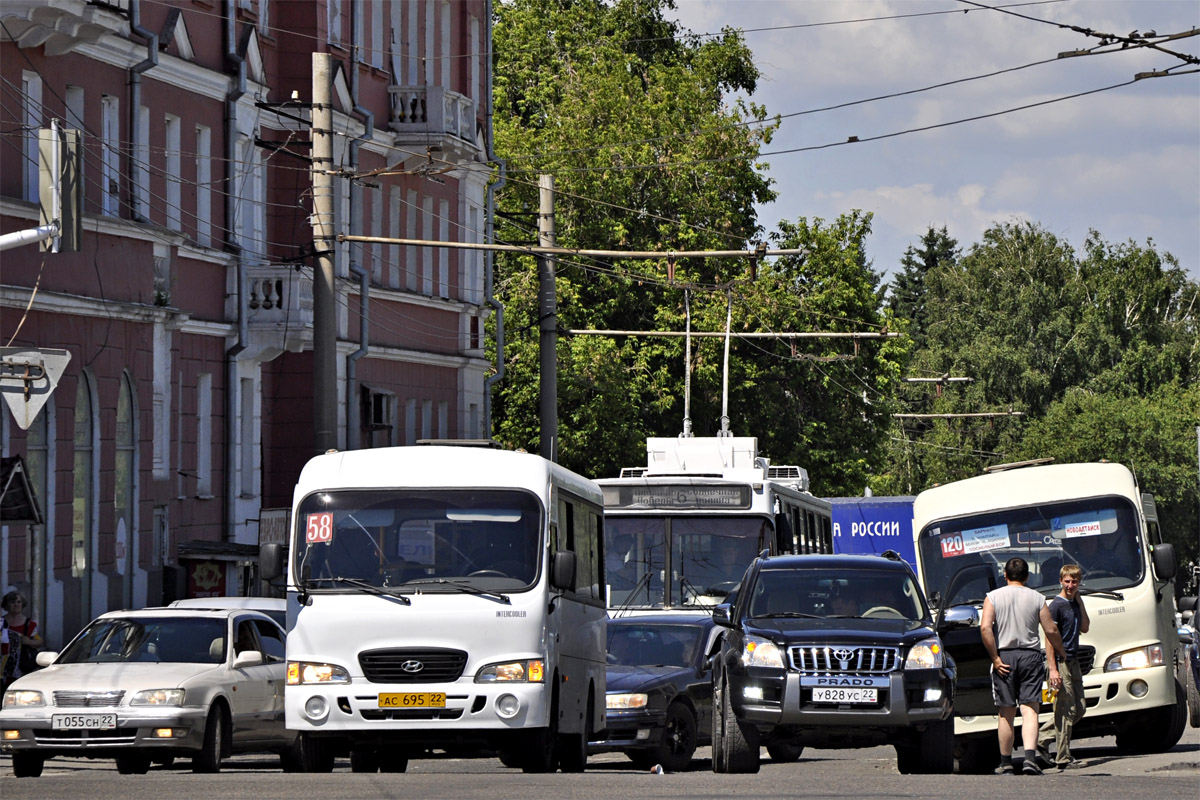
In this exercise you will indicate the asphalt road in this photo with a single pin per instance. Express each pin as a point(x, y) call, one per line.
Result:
point(841, 774)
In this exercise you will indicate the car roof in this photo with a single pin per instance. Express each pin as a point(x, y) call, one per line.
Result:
point(232, 601)
point(168, 611)
point(835, 562)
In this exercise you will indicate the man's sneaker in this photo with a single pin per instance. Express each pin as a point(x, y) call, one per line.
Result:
point(1005, 769)
point(1044, 759)
point(1074, 763)
point(1030, 768)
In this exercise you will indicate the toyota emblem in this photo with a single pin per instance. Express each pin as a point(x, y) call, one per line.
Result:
point(412, 666)
point(843, 655)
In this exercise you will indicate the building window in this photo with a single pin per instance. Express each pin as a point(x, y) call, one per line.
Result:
point(141, 167)
point(174, 198)
point(412, 74)
point(410, 421)
point(377, 31)
point(444, 42)
point(204, 424)
point(426, 419)
point(430, 53)
point(395, 203)
point(443, 419)
point(376, 417)
point(125, 485)
point(428, 254)
point(335, 21)
point(83, 500)
point(203, 185)
point(443, 253)
point(410, 251)
point(377, 269)
point(250, 215)
point(246, 445)
point(110, 159)
point(162, 402)
point(31, 114)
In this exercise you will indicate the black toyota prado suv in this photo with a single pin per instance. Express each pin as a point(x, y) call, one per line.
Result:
point(830, 651)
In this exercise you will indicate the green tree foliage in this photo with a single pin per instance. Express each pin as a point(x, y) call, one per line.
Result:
point(907, 296)
point(633, 119)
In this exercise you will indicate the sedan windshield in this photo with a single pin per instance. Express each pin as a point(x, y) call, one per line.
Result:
point(182, 640)
point(644, 644)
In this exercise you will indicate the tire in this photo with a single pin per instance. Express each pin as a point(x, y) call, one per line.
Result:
point(720, 754)
point(931, 753)
point(741, 740)
point(394, 761)
point(1156, 730)
point(679, 739)
point(510, 758)
point(208, 759)
point(976, 755)
point(316, 755)
point(364, 759)
point(540, 752)
point(27, 765)
point(133, 764)
point(1193, 697)
point(782, 751)
point(573, 747)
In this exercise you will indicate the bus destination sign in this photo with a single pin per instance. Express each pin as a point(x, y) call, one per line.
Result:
point(677, 496)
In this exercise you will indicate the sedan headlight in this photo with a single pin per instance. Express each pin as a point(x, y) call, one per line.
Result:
point(23, 698)
point(760, 652)
point(531, 671)
point(158, 697)
point(300, 673)
point(624, 702)
point(925, 654)
point(1139, 658)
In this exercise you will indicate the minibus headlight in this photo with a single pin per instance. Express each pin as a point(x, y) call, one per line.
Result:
point(301, 673)
point(1139, 658)
point(531, 671)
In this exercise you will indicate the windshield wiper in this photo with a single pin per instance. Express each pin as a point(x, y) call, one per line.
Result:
point(789, 614)
point(642, 582)
point(459, 585)
point(368, 587)
point(1102, 593)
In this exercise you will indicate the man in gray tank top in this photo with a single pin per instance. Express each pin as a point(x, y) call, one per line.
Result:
point(1009, 626)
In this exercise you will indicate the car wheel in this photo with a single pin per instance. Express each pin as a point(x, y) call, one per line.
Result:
point(720, 759)
point(784, 752)
point(316, 755)
point(133, 764)
point(510, 758)
point(396, 761)
point(27, 765)
point(209, 758)
point(573, 747)
point(364, 759)
point(930, 752)
point(741, 740)
point(976, 755)
point(1193, 697)
point(540, 753)
point(1156, 730)
point(678, 744)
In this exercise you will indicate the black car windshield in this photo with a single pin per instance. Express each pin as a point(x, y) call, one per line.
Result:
point(635, 644)
point(179, 640)
point(964, 558)
point(889, 594)
point(428, 540)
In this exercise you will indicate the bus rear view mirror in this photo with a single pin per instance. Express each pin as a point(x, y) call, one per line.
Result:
point(1165, 564)
point(562, 570)
point(270, 561)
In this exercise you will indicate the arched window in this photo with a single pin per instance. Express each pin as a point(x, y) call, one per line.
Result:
point(83, 504)
point(125, 488)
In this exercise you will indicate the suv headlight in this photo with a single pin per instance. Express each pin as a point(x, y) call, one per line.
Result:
point(300, 673)
point(158, 697)
point(23, 698)
point(529, 671)
point(759, 652)
point(1139, 658)
point(925, 654)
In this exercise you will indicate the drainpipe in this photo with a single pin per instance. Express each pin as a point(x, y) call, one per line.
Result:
point(491, 237)
point(356, 224)
point(233, 245)
point(135, 104)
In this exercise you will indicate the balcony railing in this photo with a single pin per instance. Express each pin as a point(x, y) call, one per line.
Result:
point(432, 118)
point(280, 299)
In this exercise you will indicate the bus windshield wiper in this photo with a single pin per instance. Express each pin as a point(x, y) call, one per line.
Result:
point(368, 587)
point(1102, 593)
point(460, 586)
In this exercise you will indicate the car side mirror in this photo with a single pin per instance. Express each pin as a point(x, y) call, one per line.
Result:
point(722, 615)
point(45, 658)
point(247, 658)
point(562, 571)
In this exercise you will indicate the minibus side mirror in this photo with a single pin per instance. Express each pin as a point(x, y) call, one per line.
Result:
point(562, 571)
point(1165, 565)
point(270, 560)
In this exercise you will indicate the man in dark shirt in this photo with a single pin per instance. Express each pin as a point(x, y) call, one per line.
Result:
point(1068, 612)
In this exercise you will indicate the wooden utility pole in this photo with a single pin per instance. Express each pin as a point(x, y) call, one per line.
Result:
point(548, 321)
point(324, 305)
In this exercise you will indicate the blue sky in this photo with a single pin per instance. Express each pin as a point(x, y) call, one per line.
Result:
point(1125, 162)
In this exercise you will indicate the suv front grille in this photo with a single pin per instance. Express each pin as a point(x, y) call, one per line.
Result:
point(836, 659)
point(436, 665)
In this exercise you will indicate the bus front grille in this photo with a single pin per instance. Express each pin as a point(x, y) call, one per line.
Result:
point(412, 665)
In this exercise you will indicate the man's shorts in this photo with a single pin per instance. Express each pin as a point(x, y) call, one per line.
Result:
point(1023, 683)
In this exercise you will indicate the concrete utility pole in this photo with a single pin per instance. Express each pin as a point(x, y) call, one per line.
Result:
point(548, 320)
point(324, 305)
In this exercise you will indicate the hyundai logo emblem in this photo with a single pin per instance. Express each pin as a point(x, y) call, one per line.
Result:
point(412, 665)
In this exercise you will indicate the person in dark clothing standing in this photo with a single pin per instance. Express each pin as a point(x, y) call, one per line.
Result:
point(1009, 629)
point(1071, 617)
